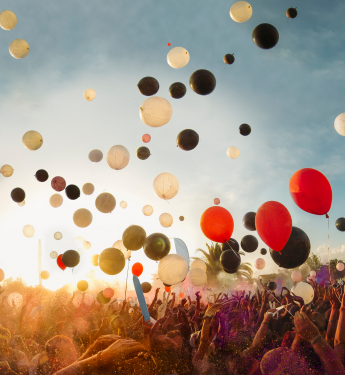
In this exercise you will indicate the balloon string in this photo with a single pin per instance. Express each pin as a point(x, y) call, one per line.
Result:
point(235, 252)
point(329, 264)
point(127, 278)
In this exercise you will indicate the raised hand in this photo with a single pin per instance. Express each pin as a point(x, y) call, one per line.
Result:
point(304, 327)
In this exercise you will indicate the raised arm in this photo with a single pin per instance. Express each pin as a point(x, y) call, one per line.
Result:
point(154, 301)
point(333, 319)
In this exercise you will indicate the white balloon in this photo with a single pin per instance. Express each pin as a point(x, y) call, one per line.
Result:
point(312, 273)
point(197, 277)
point(172, 269)
point(58, 235)
point(296, 276)
point(340, 266)
point(19, 48)
point(119, 245)
point(89, 94)
point(178, 57)
point(8, 20)
point(147, 210)
point(123, 204)
point(339, 124)
point(198, 263)
point(29, 231)
point(56, 200)
point(118, 157)
point(155, 111)
point(233, 152)
point(166, 220)
point(6, 170)
point(21, 204)
point(87, 245)
point(166, 185)
point(305, 270)
point(260, 263)
point(96, 156)
point(53, 254)
point(304, 290)
point(241, 11)
point(15, 299)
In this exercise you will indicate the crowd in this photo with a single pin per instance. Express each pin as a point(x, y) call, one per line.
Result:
point(242, 333)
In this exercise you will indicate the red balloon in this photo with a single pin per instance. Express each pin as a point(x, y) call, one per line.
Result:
point(108, 292)
point(274, 224)
point(167, 289)
point(311, 191)
point(137, 269)
point(146, 138)
point(58, 183)
point(217, 224)
point(59, 262)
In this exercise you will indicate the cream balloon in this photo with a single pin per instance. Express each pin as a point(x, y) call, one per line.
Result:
point(305, 270)
point(198, 263)
point(19, 48)
point(155, 111)
point(6, 170)
point(259, 263)
point(8, 20)
point(123, 204)
point(339, 124)
point(105, 203)
point(178, 57)
point(82, 218)
point(166, 220)
point(89, 94)
point(88, 188)
point(172, 269)
point(147, 210)
point(21, 204)
point(119, 245)
point(340, 266)
point(197, 277)
point(58, 235)
point(87, 245)
point(233, 152)
point(241, 11)
point(45, 275)
point(95, 156)
point(53, 254)
point(32, 140)
point(166, 185)
point(304, 290)
point(118, 157)
point(56, 200)
point(296, 276)
point(28, 231)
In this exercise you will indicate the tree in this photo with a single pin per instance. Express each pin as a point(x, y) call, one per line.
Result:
point(314, 262)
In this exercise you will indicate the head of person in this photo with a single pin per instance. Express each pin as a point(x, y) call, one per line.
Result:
point(61, 352)
point(243, 365)
point(5, 338)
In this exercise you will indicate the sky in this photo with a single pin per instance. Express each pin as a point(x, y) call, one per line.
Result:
point(290, 96)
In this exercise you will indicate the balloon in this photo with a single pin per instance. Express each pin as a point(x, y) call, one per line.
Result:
point(273, 223)
point(105, 203)
point(249, 221)
point(296, 276)
point(340, 266)
point(148, 86)
point(58, 183)
point(87, 245)
point(6, 170)
point(233, 152)
point(89, 94)
point(166, 220)
point(198, 263)
point(111, 261)
point(272, 285)
point(101, 299)
point(217, 224)
point(305, 270)
point(241, 11)
point(18, 195)
point(340, 224)
point(146, 287)
point(119, 245)
point(95, 156)
point(88, 188)
point(291, 13)
point(137, 269)
point(249, 243)
point(157, 246)
point(230, 260)
point(311, 191)
point(19, 48)
point(15, 299)
point(181, 295)
point(2, 275)
point(295, 252)
point(339, 124)
point(108, 293)
point(53, 254)
point(83, 285)
point(32, 140)
point(312, 273)
point(21, 204)
point(42, 175)
point(82, 218)
point(70, 258)
point(134, 237)
point(155, 111)
point(57, 235)
point(263, 251)
point(146, 138)
point(232, 244)
point(260, 263)
point(94, 260)
point(56, 200)
point(197, 277)
point(177, 90)
point(245, 129)
point(166, 186)
point(216, 201)
point(229, 59)
point(172, 269)
point(143, 153)
point(60, 262)
point(28, 231)
point(178, 57)
point(45, 275)
point(167, 289)
point(202, 81)
point(118, 157)
point(147, 210)
point(181, 218)
point(123, 204)
point(187, 139)
point(265, 36)
point(8, 20)
point(72, 192)
point(304, 290)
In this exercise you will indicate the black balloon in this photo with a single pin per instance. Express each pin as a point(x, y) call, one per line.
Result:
point(101, 299)
point(295, 252)
point(229, 58)
point(187, 139)
point(230, 271)
point(42, 175)
point(202, 81)
point(230, 260)
point(245, 129)
point(272, 285)
point(340, 224)
point(157, 246)
point(231, 244)
point(263, 251)
point(148, 86)
point(111, 261)
point(18, 195)
point(146, 287)
point(72, 192)
point(70, 258)
point(249, 243)
point(177, 90)
point(143, 153)
point(265, 36)
point(291, 13)
point(249, 221)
